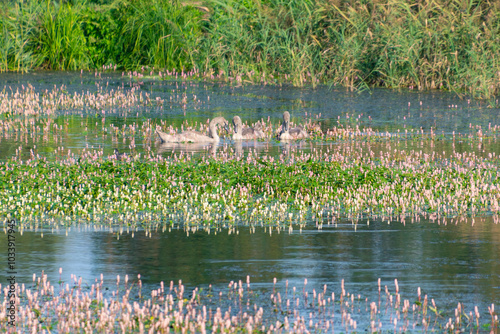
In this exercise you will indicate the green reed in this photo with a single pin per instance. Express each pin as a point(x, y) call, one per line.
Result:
point(430, 44)
point(60, 38)
point(262, 40)
point(18, 26)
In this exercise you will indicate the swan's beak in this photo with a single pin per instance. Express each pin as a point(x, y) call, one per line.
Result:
point(286, 125)
point(226, 127)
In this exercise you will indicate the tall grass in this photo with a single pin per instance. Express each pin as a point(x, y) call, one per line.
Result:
point(60, 39)
point(18, 25)
point(429, 44)
point(273, 38)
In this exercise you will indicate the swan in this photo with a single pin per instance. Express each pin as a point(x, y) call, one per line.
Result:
point(245, 133)
point(120, 156)
point(194, 136)
point(290, 134)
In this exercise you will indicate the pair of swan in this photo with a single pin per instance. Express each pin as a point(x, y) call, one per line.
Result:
point(195, 136)
point(286, 133)
point(239, 133)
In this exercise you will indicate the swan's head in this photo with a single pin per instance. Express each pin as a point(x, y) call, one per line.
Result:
point(220, 121)
point(236, 123)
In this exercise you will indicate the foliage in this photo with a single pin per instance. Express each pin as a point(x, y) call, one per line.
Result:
point(161, 34)
point(428, 44)
point(59, 38)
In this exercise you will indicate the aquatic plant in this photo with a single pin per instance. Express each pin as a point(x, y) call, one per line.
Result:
point(29, 102)
point(107, 307)
point(232, 189)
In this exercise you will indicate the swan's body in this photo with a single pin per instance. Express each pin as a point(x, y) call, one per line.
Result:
point(241, 133)
point(293, 133)
point(194, 136)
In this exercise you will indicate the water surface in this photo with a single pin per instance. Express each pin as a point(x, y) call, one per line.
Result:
point(387, 111)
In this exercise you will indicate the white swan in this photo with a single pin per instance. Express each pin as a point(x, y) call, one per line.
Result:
point(194, 136)
point(245, 133)
point(291, 134)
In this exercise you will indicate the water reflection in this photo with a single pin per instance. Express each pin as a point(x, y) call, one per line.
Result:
point(238, 147)
point(449, 262)
point(251, 147)
point(173, 148)
point(289, 146)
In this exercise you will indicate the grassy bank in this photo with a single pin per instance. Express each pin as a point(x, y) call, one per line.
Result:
point(231, 190)
point(389, 43)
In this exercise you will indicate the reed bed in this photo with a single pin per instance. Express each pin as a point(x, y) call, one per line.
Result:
point(229, 189)
point(124, 306)
point(431, 44)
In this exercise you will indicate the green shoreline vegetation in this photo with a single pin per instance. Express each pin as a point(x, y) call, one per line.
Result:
point(432, 44)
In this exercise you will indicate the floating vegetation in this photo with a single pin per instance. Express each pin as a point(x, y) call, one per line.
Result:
point(230, 188)
point(125, 307)
point(29, 102)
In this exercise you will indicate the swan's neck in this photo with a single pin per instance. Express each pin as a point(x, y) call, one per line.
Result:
point(212, 132)
point(284, 127)
point(237, 135)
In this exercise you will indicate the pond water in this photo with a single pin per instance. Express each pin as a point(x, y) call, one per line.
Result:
point(450, 261)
